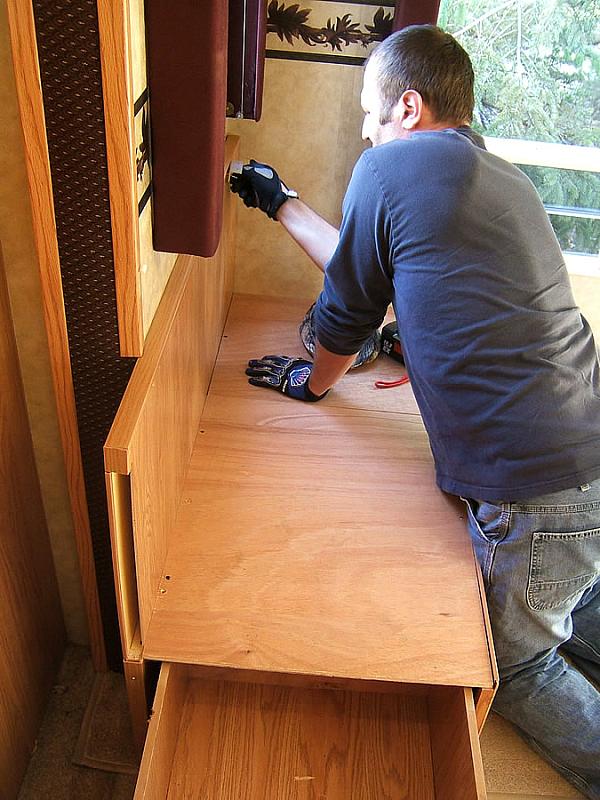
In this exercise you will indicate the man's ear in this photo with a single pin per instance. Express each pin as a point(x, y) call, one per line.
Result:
point(409, 109)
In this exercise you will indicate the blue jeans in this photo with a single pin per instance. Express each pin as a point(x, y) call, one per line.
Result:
point(540, 560)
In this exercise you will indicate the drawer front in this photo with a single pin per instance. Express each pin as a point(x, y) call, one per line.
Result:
point(231, 740)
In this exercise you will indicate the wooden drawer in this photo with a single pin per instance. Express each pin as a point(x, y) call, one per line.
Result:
point(230, 740)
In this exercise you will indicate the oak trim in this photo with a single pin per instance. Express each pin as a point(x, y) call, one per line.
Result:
point(163, 731)
point(455, 750)
point(136, 679)
point(485, 696)
point(117, 82)
point(31, 110)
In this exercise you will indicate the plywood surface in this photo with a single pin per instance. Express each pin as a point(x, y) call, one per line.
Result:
point(311, 538)
point(257, 742)
point(153, 433)
point(278, 320)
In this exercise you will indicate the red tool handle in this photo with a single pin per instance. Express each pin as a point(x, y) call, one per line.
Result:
point(391, 384)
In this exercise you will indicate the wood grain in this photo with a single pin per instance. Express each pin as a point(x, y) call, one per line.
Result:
point(456, 754)
point(312, 539)
point(154, 430)
point(485, 697)
point(248, 742)
point(117, 86)
point(163, 734)
point(280, 320)
point(32, 636)
point(29, 92)
point(136, 683)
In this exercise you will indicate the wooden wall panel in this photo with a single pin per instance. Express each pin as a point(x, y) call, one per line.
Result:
point(165, 398)
point(31, 627)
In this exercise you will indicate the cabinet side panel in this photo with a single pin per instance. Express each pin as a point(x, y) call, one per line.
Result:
point(154, 430)
point(455, 750)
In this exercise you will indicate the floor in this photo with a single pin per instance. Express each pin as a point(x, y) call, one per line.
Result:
point(52, 773)
point(513, 772)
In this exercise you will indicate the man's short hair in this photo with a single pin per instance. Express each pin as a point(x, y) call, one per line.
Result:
point(430, 61)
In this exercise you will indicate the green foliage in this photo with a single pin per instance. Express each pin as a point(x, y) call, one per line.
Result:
point(537, 68)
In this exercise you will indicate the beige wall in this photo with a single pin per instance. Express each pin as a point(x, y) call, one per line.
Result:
point(16, 235)
point(310, 133)
point(587, 295)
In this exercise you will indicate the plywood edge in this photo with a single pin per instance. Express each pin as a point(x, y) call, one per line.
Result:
point(161, 741)
point(231, 146)
point(31, 109)
point(484, 696)
point(305, 681)
point(118, 442)
point(113, 21)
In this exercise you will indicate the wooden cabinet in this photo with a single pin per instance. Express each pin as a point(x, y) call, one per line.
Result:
point(230, 740)
point(312, 597)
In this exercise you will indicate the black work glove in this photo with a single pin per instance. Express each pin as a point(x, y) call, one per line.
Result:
point(284, 374)
point(260, 186)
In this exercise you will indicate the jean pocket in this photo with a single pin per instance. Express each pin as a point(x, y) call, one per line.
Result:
point(562, 567)
point(488, 520)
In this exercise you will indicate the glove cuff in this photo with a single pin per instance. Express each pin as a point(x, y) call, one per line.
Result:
point(276, 204)
point(279, 199)
point(311, 397)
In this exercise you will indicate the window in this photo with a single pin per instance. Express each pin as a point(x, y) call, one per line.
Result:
point(537, 72)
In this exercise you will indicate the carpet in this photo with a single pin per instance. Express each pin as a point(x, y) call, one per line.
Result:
point(513, 771)
point(105, 741)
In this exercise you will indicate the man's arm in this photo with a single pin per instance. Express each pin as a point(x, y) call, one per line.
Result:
point(260, 186)
point(328, 369)
point(315, 235)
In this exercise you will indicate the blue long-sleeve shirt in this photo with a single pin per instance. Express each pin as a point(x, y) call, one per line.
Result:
point(502, 363)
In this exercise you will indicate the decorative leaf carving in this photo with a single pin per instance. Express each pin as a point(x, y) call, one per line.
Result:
point(381, 27)
point(344, 32)
point(143, 148)
point(290, 23)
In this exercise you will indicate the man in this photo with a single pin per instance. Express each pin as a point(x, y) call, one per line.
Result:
point(503, 366)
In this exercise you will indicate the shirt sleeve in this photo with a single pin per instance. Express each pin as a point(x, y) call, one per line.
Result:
point(358, 284)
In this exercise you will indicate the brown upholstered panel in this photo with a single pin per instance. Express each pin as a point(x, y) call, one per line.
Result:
point(187, 71)
point(415, 12)
point(247, 39)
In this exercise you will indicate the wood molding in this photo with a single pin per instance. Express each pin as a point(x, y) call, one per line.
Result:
point(115, 40)
point(485, 697)
point(163, 732)
point(31, 108)
point(31, 622)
